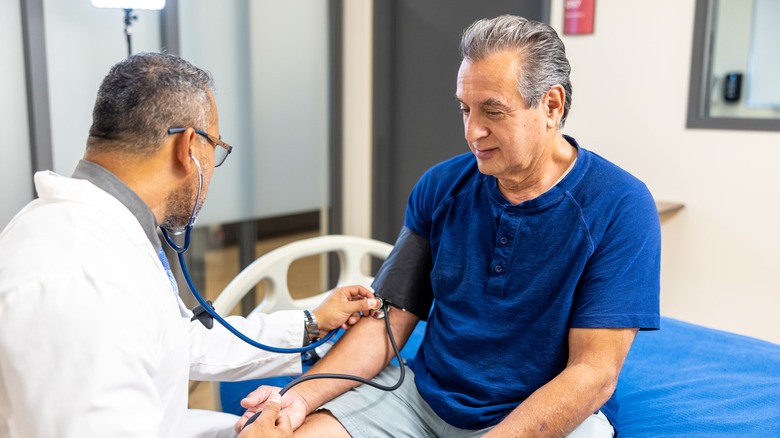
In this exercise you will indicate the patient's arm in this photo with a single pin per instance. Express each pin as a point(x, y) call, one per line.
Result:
point(587, 382)
point(362, 351)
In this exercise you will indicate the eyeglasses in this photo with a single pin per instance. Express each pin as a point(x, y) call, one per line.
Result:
point(220, 153)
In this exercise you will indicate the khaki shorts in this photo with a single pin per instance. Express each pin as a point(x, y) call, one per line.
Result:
point(370, 413)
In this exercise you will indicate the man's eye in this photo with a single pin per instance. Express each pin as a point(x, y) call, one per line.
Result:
point(464, 110)
point(493, 113)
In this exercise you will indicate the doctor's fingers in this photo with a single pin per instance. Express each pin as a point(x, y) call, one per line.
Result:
point(352, 320)
point(263, 406)
point(360, 306)
point(270, 423)
point(355, 292)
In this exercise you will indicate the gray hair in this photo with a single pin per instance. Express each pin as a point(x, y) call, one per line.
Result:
point(144, 95)
point(542, 51)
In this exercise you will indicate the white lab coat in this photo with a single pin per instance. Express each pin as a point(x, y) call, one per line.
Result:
point(93, 341)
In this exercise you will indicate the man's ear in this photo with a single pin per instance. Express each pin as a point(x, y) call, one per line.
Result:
point(183, 149)
point(553, 103)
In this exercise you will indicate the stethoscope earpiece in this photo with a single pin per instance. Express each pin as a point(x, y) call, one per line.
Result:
point(186, 231)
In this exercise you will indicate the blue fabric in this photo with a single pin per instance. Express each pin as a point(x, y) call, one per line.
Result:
point(167, 266)
point(690, 381)
point(510, 280)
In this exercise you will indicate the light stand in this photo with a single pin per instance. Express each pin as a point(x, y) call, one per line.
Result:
point(129, 18)
point(129, 6)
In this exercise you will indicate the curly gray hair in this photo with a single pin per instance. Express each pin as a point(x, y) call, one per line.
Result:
point(144, 95)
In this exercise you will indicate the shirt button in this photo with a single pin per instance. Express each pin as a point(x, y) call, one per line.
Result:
point(498, 269)
point(503, 240)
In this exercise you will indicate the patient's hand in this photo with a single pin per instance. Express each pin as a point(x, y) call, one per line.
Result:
point(270, 424)
point(292, 405)
point(343, 308)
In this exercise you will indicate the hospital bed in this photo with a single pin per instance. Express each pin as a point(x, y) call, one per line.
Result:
point(354, 254)
point(684, 380)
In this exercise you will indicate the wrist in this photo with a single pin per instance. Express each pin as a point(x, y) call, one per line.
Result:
point(304, 398)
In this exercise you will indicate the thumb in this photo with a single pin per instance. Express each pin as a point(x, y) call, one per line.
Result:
point(284, 423)
point(274, 403)
point(271, 410)
point(263, 419)
point(361, 305)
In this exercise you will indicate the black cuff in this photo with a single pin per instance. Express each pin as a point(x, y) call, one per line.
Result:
point(404, 280)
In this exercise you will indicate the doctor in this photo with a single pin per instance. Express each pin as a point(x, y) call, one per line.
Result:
point(94, 340)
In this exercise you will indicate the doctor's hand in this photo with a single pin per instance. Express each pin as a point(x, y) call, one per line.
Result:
point(293, 408)
point(270, 424)
point(343, 308)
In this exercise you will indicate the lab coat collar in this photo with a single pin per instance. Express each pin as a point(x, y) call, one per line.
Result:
point(109, 183)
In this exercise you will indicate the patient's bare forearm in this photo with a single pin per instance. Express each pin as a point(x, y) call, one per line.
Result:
point(362, 351)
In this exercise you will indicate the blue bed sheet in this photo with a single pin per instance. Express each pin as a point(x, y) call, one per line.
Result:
point(684, 380)
point(688, 381)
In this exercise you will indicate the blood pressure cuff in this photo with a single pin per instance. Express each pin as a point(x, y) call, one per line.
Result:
point(404, 279)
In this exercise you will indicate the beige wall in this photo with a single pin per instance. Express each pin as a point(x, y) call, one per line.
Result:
point(357, 64)
point(721, 253)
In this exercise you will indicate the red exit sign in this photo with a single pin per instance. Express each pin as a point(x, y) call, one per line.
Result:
point(578, 16)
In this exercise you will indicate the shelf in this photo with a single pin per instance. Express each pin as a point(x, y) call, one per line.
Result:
point(665, 208)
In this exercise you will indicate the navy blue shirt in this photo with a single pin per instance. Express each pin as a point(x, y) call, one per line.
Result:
point(509, 281)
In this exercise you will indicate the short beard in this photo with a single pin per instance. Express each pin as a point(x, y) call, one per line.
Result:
point(179, 209)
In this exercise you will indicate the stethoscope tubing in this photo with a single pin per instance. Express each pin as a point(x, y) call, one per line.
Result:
point(205, 305)
point(213, 313)
point(210, 310)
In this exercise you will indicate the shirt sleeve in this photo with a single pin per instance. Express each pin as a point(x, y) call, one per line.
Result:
point(219, 355)
point(621, 282)
point(419, 207)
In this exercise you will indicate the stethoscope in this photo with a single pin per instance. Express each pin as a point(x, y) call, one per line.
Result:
point(205, 306)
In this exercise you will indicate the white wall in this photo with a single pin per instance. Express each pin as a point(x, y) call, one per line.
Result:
point(721, 253)
point(15, 167)
point(82, 43)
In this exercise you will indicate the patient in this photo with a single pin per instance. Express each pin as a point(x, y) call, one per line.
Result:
point(542, 257)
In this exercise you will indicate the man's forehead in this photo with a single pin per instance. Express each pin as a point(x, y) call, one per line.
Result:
point(489, 81)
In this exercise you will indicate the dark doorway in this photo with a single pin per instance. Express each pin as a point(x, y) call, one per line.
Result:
point(416, 120)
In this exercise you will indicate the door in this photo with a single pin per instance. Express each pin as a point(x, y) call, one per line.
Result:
point(416, 118)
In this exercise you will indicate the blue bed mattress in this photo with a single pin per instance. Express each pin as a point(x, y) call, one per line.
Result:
point(686, 380)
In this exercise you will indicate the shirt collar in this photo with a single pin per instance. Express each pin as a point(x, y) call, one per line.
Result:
point(109, 183)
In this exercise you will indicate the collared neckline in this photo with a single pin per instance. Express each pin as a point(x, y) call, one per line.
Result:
point(111, 184)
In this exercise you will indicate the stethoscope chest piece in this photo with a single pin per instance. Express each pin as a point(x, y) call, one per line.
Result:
point(203, 315)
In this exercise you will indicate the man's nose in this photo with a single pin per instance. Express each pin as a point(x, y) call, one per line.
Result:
point(474, 129)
